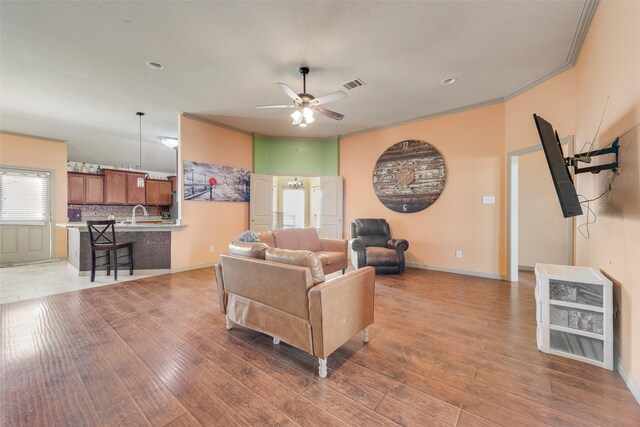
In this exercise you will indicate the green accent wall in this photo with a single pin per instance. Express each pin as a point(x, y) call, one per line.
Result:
point(273, 156)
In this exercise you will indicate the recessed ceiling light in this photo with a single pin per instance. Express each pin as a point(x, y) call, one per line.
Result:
point(154, 65)
point(448, 81)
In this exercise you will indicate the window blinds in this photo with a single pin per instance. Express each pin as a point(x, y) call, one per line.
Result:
point(24, 195)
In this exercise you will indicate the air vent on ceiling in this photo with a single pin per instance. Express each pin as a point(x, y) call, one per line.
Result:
point(353, 84)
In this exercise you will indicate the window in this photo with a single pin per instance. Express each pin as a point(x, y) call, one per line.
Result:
point(293, 207)
point(24, 195)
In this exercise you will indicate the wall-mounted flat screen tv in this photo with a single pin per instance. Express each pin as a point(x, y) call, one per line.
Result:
point(559, 171)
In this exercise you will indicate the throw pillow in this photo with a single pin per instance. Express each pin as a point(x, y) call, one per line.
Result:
point(248, 236)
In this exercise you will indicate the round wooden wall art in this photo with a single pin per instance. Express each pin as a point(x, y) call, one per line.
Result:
point(409, 176)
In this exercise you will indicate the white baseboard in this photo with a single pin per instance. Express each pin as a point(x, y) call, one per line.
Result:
point(192, 267)
point(125, 271)
point(151, 272)
point(629, 381)
point(457, 271)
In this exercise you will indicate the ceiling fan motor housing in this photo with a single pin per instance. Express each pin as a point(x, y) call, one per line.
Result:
point(306, 97)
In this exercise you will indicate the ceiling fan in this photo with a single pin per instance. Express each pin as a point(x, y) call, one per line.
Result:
point(306, 103)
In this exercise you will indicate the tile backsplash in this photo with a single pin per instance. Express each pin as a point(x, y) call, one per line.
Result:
point(119, 211)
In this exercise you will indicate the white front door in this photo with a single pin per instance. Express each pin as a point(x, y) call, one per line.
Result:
point(331, 218)
point(25, 216)
point(261, 203)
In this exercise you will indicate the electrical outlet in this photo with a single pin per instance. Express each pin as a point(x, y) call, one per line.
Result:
point(212, 248)
point(458, 253)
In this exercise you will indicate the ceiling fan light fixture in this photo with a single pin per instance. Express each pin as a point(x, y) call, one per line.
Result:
point(305, 103)
point(308, 114)
point(296, 116)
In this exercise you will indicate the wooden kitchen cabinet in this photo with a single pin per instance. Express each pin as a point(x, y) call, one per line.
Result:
point(135, 195)
point(121, 188)
point(85, 188)
point(159, 192)
point(174, 180)
point(115, 187)
point(94, 189)
point(75, 188)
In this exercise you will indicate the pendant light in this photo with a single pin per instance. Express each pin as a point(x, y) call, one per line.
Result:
point(140, 180)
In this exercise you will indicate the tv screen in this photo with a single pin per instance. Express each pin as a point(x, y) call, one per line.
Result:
point(559, 171)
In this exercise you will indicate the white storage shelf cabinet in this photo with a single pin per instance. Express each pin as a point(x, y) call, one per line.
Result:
point(574, 311)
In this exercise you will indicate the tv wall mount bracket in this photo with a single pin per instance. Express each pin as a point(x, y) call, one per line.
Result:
point(586, 158)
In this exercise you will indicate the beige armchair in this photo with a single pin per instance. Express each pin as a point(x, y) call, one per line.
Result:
point(283, 293)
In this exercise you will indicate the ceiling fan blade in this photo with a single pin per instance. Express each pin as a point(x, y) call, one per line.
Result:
point(325, 99)
point(290, 93)
point(329, 113)
point(276, 106)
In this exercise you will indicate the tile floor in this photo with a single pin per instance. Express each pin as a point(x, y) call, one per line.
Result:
point(24, 282)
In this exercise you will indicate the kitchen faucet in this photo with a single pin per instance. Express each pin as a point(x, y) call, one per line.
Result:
point(133, 215)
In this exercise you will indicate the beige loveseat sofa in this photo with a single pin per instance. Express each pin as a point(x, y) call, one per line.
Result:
point(283, 293)
point(331, 252)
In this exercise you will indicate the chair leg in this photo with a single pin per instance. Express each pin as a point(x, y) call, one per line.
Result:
point(130, 261)
point(93, 266)
point(322, 368)
point(108, 263)
point(365, 335)
point(229, 323)
point(343, 271)
point(115, 264)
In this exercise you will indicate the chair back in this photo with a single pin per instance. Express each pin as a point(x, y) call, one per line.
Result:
point(102, 233)
point(372, 231)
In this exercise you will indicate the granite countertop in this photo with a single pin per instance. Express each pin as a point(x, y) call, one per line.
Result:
point(141, 225)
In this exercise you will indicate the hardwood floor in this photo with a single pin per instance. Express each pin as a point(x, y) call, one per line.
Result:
point(445, 350)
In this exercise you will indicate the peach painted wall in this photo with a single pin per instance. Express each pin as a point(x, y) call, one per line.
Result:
point(38, 153)
point(542, 230)
point(209, 223)
point(472, 145)
point(608, 66)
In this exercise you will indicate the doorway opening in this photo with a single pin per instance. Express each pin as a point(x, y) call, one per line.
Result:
point(25, 216)
point(295, 201)
point(537, 231)
point(278, 202)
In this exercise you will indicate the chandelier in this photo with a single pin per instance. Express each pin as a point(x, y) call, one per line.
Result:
point(295, 184)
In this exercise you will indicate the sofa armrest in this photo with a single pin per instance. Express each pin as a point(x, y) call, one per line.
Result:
point(334, 245)
point(358, 253)
point(340, 308)
point(400, 245)
point(222, 296)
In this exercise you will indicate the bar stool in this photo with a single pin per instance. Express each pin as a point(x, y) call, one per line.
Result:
point(103, 239)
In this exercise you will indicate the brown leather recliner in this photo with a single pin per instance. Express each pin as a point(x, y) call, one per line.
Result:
point(287, 297)
point(371, 245)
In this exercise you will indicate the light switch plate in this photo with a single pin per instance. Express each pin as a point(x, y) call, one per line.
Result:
point(488, 200)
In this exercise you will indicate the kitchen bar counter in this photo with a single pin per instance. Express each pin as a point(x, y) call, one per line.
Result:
point(151, 245)
point(127, 226)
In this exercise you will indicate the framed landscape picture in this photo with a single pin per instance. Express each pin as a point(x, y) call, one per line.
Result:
point(204, 181)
